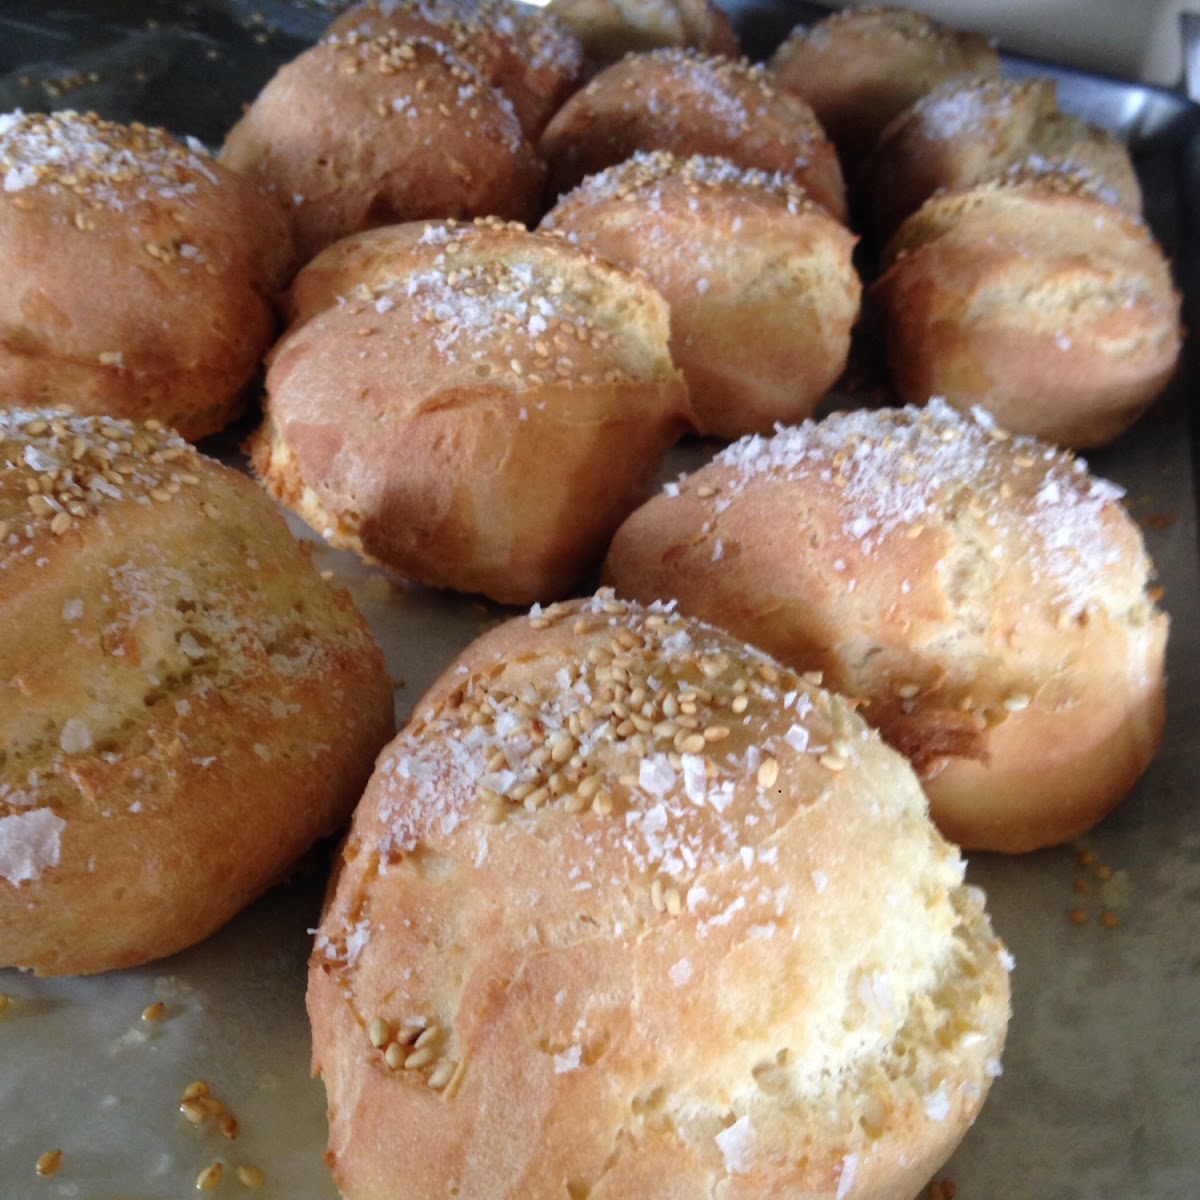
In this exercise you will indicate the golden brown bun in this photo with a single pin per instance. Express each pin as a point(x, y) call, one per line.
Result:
point(691, 103)
point(365, 131)
point(762, 289)
point(186, 706)
point(674, 923)
point(979, 596)
point(526, 52)
point(138, 273)
point(969, 131)
point(610, 29)
point(1034, 298)
point(480, 414)
point(862, 67)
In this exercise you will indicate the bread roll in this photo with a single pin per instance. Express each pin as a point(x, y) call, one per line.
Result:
point(525, 52)
point(862, 67)
point(980, 597)
point(759, 278)
point(186, 705)
point(969, 131)
point(610, 29)
point(138, 273)
point(1034, 298)
point(479, 415)
point(689, 103)
point(629, 910)
point(360, 131)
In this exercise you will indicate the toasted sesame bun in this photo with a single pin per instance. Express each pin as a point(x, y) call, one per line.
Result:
point(862, 67)
point(629, 910)
point(1034, 298)
point(366, 130)
point(690, 103)
point(981, 598)
point(186, 705)
point(610, 29)
point(969, 131)
point(480, 413)
point(138, 273)
point(525, 52)
point(762, 289)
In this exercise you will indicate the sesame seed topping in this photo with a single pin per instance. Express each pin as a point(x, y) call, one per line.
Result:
point(250, 1176)
point(69, 467)
point(210, 1177)
point(102, 163)
point(49, 1163)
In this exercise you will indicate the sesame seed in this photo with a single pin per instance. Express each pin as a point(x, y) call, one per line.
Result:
point(441, 1075)
point(194, 1110)
point(768, 773)
point(195, 1089)
point(832, 762)
point(420, 1058)
point(395, 1055)
point(249, 1177)
point(155, 1011)
point(210, 1177)
point(227, 1123)
point(1017, 702)
point(49, 1163)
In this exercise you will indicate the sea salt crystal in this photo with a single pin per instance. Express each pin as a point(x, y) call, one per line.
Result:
point(797, 738)
point(568, 1060)
point(846, 1178)
point(737, 1146)
point(680, 972)
point(75, 736)
point(937, 1106)
point(30, 844)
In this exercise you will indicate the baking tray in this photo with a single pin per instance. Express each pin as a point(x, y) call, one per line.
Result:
point(1101, 1087)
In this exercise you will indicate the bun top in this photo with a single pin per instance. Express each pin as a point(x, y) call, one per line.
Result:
point(101, 175)
point(99, 161)
point(526, 52)
point(692, 103)
point(697, 912)
point(894, 471)
point(57, 470)
point(648, 175)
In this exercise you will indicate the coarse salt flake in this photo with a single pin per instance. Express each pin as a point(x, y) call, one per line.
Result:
point(737, 1146)
point(30, 844)
point(75, 736)
point(568, 1060)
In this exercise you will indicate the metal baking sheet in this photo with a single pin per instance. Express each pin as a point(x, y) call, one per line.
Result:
point(1101, 1087)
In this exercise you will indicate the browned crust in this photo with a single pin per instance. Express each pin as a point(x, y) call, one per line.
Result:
point(760, 280)
point(860, 68)
point(1052, 309)
point(364, 131)
point(500, 463)
point(134, 291)
point(689, 103)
